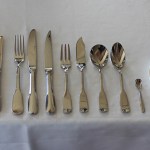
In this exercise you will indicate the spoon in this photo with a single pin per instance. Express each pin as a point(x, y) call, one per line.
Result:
point(99, 57)
point(118, 60)
point(138, 84)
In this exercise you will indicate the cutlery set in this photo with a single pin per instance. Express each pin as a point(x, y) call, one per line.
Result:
point(99, 57)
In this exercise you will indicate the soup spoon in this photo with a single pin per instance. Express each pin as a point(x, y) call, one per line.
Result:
point(118, 60)
point(99, 57)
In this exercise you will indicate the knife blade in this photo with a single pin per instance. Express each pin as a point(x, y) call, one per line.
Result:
point(50, 100)
point(1, 56)
point(32, 48)
point(32, 58)
point(81, 63)
point(80, 51)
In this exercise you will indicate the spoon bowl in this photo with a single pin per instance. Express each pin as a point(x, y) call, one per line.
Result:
point(138, 83)
point(99, 55)
point(118, 56)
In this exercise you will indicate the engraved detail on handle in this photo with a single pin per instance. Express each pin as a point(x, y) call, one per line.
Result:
point(124, 103)
point(17, 103)
point(67, 102)
point(142, 103)
point(103, 104)
point(50, 100)
point(83, 97)
point(32, 102)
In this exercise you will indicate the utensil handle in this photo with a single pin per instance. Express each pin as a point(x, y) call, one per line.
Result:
point(83, 97)
point(0, 90)
point(50, 101)
point(17, 103)
point(103, 103)
point(142, 103)
point(67, 102)
point(1, 49)
point(32, 102)
point(124, 103)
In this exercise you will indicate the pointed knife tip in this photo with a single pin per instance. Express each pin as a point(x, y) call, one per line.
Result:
point(80, 38)
point(33, 30)
point(49, 33)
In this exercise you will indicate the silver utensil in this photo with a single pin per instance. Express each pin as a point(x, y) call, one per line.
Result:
point(17, 103)
point(32, 52)
point(99, 57)
point(118, 60)
point(50, 100)
point(80, 59)
point(66, 65)
point(138, 84)
point(1, 56)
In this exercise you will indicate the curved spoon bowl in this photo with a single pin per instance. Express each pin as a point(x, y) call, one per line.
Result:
point(99, 55)
point(118, 55)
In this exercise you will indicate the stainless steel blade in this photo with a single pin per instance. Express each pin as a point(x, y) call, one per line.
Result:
point(32, 49)
point(48, 53)
point(80, 52)
point(1, 50)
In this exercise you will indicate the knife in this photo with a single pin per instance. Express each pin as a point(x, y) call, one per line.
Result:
point(1, 52)
point(32, 52)
point(50, 100)
point(81, 63)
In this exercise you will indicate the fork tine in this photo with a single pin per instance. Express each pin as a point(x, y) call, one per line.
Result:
point(61, 54)
point(18, 45)
point(65, 52)
point(20, 48)
point(68, 52)
point(15, 46)
point(23, 46)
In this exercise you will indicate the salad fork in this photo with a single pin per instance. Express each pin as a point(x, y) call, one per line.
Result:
point(17, 103)
point(66, 65)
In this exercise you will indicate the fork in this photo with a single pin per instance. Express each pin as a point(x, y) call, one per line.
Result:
point(17, 103)
point(66, 65)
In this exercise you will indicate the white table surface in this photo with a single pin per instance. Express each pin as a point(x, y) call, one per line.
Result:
point(98, 22)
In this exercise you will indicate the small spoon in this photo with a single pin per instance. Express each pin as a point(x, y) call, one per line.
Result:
point(99, 57)
point(138, 84)
point(118, 60)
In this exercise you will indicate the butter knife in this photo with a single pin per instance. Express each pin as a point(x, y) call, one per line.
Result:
point(81, 63)
point(50, 100)
point(32, 52)
point(1, 52)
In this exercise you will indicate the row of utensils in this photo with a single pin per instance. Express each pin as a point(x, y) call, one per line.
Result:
point(99, 57)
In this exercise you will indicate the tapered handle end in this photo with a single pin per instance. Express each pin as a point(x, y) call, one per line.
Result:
point(50, 104)
point(32, 104)
point(103, 104)
point(124, 103)
point(17, 103)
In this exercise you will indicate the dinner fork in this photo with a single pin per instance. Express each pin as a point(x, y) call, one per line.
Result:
point(66, 65)
point(17, 103)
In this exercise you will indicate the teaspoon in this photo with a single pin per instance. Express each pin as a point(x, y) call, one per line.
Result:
point(118, 60)
point(138, 84)
point(99, 57)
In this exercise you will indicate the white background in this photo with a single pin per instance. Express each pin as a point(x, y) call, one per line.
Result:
point(98, 22)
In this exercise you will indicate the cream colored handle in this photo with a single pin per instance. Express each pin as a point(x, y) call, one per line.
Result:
point(142, 103)
point(103, 103)
point(84, 107)
point(67, 102)
point(50, 101)
point(17, 103)
point(124, 103)
point(32, 102)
